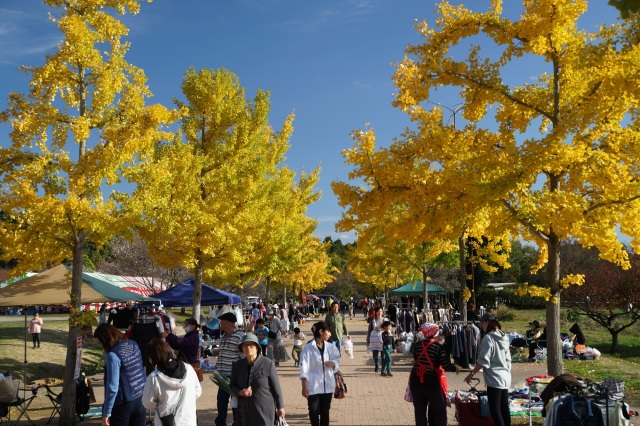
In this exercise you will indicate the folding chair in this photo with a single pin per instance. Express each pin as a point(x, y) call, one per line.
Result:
point(55, 399)
point(22, 404)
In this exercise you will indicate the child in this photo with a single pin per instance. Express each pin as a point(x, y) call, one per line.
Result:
point(262, 333)
point(298, 341)
point(387, 348)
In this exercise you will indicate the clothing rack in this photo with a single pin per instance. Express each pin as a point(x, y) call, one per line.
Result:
point(594, 392)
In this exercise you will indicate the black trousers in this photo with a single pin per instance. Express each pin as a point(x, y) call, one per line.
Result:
point(319, 406)
point(36, 339)
point(431, 397)
point(533, 345)
point(499, 406)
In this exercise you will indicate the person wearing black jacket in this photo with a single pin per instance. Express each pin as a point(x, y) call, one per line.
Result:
point(426, 378)
point(577, 336)
point(536, 338)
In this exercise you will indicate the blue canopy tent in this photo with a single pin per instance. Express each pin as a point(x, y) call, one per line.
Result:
point(181, 296)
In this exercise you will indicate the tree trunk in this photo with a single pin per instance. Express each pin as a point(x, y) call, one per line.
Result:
point(426, 289)
point(197, 292)
point(462, 276)
point(614, 340)
point(554, 345)
point(294, 293)
point(68, 404)
point(267, 289)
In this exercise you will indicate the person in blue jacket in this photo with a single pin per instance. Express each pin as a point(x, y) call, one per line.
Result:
point(124, 378)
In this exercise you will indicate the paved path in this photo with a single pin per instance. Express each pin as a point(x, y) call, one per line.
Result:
point(371, 399)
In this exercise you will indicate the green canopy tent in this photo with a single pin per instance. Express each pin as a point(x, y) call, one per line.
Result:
point(416, 288)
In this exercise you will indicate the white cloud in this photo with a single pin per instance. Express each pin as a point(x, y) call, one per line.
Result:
point(360, 85)
point(347, 13)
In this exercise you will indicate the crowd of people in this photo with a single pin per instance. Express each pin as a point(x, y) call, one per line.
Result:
point(249, 360)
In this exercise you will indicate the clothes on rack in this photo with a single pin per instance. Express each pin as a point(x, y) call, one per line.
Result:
point(141, 332)
point(573, 410)
point(464, 342)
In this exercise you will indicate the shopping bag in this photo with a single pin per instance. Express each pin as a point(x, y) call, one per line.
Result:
point(280, 421)
point(408, 396)
point(348, 347)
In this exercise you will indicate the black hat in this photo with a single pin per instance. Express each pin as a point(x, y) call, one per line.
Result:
point(489, 317)
point(536, 323)
point(228, 317)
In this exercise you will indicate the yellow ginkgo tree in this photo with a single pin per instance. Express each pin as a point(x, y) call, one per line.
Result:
point(546, 158)
point(213, 192)
point(83, 123)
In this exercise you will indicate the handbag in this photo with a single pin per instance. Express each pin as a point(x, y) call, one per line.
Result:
point(198, 369)
point(272, 335)
point(341, 386)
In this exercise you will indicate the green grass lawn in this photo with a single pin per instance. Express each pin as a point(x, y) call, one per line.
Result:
point(624, 365)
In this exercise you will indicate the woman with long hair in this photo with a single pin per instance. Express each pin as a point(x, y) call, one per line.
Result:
point(494, 359)
point(254, 381)
point(319, 361)
point(123, 378)
point(172, 387)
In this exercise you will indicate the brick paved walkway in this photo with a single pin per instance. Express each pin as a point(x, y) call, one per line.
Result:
point(371, 400)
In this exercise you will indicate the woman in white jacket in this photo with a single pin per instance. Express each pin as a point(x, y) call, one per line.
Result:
point(319, 361)
point(172, 387)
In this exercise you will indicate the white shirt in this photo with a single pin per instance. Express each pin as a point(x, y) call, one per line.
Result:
point(320, 378)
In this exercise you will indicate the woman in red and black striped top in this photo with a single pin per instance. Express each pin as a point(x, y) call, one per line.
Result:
point(427, 380)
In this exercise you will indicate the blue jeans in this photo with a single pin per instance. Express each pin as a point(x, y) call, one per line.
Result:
point(223, 406)
point(336, 341)
point(130, 413)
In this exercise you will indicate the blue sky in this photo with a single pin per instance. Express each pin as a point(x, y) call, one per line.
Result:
point(330, 62)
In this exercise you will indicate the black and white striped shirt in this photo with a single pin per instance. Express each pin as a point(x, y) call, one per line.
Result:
point(229, 352)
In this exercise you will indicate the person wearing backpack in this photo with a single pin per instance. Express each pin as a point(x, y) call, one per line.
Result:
point(124, 378)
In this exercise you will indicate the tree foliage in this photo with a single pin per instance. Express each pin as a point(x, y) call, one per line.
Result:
point(545, 159)
point(626, 7)
point(82, 124)
point(239, 211)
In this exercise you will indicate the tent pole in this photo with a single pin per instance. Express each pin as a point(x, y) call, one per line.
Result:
point(26, 330)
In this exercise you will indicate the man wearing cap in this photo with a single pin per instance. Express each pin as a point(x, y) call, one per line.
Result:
point(230, 338)
point(536, 337)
